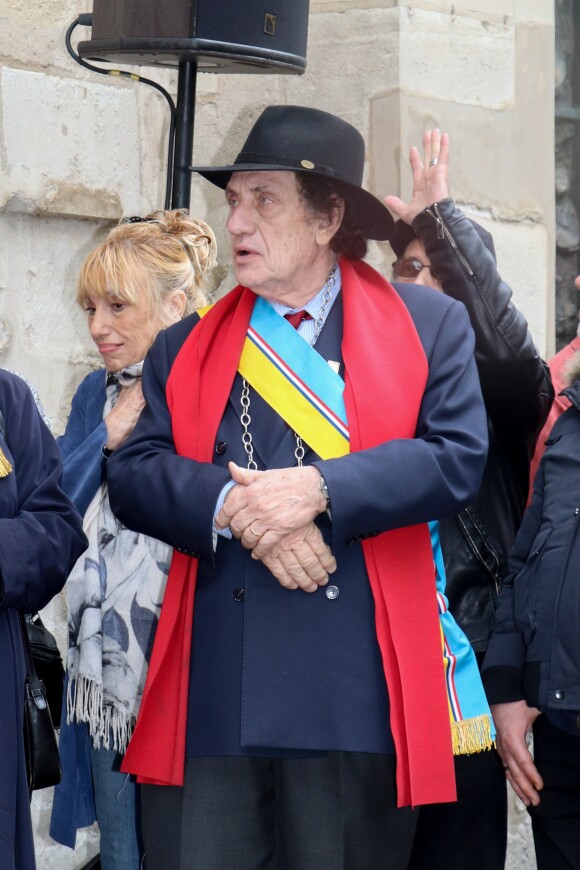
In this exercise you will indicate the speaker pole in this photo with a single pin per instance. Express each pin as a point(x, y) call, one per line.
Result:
point(184, 124)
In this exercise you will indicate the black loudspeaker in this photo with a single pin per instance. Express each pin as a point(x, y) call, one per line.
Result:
point(226, 36)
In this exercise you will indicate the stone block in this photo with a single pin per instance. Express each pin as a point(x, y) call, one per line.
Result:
point(463, 59)
point(50, 344)
point(69, 147)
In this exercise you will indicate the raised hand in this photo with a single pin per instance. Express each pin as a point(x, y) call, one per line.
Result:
point(430, 177)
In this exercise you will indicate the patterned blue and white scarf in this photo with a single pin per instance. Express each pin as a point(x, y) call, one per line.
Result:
point(114, 597)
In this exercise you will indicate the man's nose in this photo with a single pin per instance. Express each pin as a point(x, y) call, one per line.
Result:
point(241, 220)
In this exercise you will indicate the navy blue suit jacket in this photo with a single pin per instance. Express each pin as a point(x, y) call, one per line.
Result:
point(277, 671)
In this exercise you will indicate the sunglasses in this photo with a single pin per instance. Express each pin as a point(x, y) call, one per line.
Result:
point(135, 219)
point(409, 267)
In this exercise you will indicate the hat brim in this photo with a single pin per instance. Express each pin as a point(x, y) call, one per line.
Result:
point(374, 218)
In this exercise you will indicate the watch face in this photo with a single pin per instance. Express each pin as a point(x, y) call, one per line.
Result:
point(324, 489)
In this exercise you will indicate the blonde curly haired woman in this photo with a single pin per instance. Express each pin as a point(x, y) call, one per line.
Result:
point(147, 274)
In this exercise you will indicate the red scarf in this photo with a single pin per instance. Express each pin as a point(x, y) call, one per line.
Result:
point(386, 373)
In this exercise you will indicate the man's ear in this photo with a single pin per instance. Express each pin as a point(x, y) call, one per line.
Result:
point(329, 224)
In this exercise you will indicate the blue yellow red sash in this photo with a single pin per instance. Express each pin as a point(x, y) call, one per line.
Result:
point(472, 728)
point(302, 388)
point(295, 381)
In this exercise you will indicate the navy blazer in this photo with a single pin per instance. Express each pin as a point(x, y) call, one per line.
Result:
point(40, 539)
point(277, 671)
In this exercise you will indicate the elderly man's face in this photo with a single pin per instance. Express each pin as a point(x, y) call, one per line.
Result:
point(280, 249)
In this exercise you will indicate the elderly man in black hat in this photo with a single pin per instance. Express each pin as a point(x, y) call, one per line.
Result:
point(437, 245)
point(297, 439)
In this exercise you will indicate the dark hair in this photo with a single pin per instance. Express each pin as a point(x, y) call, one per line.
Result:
point(321, 196)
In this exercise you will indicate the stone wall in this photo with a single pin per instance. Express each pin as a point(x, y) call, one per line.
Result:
point(78, 150)
point(567, 75)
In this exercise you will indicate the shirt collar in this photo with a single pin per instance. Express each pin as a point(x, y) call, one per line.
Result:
point(314, 305)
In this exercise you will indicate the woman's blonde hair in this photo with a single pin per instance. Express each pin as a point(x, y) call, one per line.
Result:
point(159, 254)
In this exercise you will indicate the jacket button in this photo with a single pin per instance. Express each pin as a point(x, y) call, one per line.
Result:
point(560, 694)
point(221, 447)
point(238, 594)
point(332, 592)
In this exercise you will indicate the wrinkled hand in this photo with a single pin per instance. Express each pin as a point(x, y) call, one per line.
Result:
point(430, 183)
point(121, 421)
point(269, 505)
point(513, 721)
point(301, 559)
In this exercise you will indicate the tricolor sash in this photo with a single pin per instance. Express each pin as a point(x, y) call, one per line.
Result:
point(472, 728)
point(297, 382)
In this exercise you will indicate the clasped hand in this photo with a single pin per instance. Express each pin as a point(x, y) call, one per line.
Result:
point(272, 514)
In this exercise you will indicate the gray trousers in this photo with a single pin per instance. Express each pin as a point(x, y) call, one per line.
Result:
point(334, 812)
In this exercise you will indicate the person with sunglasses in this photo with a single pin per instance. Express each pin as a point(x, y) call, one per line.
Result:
point(437, 245)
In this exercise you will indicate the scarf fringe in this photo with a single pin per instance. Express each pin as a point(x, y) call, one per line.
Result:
point(472, 735)
point(84, 703)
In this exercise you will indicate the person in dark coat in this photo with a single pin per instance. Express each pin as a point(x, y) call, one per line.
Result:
point(531, 669)
point(41, 537)
point(296, 441)
point(437, 245)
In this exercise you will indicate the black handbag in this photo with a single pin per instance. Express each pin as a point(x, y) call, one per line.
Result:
point(41, 750)
point(47, 663)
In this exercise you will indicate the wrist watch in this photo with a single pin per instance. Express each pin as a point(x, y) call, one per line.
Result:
point(324, 491)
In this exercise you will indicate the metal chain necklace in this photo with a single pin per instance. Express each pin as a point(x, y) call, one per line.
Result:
point(245, 418)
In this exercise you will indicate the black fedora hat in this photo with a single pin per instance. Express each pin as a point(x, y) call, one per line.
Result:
point(300, 139)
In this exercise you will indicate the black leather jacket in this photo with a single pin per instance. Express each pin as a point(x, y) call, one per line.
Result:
point(517, 391)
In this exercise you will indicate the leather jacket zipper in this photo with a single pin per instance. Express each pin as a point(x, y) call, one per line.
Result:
point(494, 571)
point(443, 232)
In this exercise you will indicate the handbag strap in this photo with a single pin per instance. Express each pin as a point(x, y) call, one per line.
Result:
point(30, 668)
